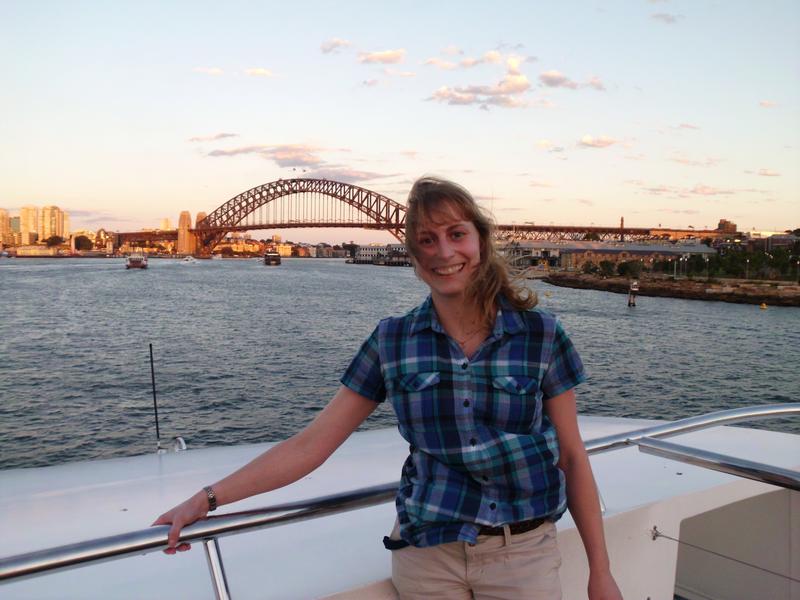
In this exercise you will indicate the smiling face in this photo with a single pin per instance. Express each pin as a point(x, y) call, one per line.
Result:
point(448, 252)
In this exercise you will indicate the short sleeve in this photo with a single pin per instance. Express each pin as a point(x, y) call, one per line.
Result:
point(364, 375)
point(565, 369)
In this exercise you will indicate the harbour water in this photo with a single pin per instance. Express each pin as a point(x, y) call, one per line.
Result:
point(246, 353)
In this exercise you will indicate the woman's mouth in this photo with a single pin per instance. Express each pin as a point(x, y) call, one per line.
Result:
point(448, 270)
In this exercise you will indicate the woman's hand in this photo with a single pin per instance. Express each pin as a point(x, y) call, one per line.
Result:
point(184, 514)
point(603, 587)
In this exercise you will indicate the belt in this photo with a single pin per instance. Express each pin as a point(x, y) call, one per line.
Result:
point(515, 528)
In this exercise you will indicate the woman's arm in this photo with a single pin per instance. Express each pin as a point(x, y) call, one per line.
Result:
point(582, 499)
point(281, 465)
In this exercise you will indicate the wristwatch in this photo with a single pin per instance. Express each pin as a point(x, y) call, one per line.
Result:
point(212, 498)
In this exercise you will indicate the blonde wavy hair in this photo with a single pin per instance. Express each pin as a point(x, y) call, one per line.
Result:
point(431, 195)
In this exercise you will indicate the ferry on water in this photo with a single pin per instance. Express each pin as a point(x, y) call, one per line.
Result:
point(136, 260)
point(272, 258)
point(710, 514)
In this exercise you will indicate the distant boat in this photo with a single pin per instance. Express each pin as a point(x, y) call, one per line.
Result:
point(137, 260)
point(188, 259)
point(216, 256)
point(272, 258)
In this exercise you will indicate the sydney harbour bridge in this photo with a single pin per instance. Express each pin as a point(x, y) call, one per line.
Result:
point(294, 203)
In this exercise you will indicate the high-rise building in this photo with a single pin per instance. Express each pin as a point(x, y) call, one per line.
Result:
point(28, 224)
point(51, 222)
point(5, 227)
point(15, 224)
point(165, 224)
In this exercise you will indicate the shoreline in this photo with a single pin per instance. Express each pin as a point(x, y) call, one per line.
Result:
point(739, 292)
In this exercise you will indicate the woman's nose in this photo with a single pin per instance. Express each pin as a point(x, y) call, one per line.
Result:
point(445, 248)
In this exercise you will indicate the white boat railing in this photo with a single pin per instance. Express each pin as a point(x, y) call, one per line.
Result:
point(209, 530)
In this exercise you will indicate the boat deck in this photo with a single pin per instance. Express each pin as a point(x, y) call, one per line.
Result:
point(50, 506)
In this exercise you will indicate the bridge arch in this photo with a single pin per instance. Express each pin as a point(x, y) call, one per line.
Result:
point(380, 211)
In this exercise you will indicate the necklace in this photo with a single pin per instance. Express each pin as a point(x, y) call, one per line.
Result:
point(463, 342)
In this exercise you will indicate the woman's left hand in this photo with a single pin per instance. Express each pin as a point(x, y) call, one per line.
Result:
point(603, 587)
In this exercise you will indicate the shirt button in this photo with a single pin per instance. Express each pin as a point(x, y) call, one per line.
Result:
point(493, 506)
point(466, 402)
point(464, 365)
point(473, 441)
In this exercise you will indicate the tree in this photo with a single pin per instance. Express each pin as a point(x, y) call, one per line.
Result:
point(83, 243)
point(589, 268)
point(606, 268)
point(54, 240)
point(630, 268)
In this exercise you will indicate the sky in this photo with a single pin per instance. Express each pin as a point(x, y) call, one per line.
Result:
point(672, 113)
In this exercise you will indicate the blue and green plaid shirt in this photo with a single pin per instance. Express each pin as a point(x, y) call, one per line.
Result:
point(481, 450)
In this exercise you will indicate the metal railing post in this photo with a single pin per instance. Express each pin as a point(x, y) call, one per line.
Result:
point(216, 569)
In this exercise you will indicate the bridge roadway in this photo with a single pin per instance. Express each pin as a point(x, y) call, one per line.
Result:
point(504, 232)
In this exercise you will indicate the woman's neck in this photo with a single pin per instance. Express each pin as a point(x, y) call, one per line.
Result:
point(459, 317)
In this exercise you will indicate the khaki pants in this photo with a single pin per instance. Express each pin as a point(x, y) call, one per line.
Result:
point(509, 567)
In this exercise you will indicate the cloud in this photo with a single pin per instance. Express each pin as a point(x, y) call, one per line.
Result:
point(369, 82)
point(510, 84)
point(540, 184)
point(441, 64)
point(768, 173)
point(470, 62)
point(386, 57)
point(208, 70)
point(546, 144)
point(666, 18)
point(768, 104)
point(286, 155)
point(585, 201)
point(409, 153)
point(346, 174)
point(602, 141)
point(258, 72)
point(452, 50)
point(213, 138)
point(334, 45)
point(707, 190)
point(493, 56)
point(557, 79)
point(596, 83)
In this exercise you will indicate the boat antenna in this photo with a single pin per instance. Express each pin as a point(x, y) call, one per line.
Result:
point(155, 401)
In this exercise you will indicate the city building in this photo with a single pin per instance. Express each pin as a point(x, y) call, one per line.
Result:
point(166, 224)
point(28, 224)
point(6, 235)
point(52, 222)
point(572, 255)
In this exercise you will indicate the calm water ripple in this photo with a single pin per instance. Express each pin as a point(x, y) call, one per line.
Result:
point(246, 353)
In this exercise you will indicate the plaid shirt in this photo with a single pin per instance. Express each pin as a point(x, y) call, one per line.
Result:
point(481, 451)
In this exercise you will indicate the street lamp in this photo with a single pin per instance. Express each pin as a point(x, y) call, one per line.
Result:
point(747, 269)
point(707, 275)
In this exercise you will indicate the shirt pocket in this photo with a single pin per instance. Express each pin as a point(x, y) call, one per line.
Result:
point(416, 398)
point(514, 403)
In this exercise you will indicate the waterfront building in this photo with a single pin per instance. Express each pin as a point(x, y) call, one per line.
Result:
point(52, 222)
point(572, 255)
point(166, 224)
point(6, 235)
point(28, 224)
point(285, 250)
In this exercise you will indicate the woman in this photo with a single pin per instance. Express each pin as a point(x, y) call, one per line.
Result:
point(482, 388)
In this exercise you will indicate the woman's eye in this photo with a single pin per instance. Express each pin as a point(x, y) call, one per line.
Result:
point(458, 234)
point(425, 242)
